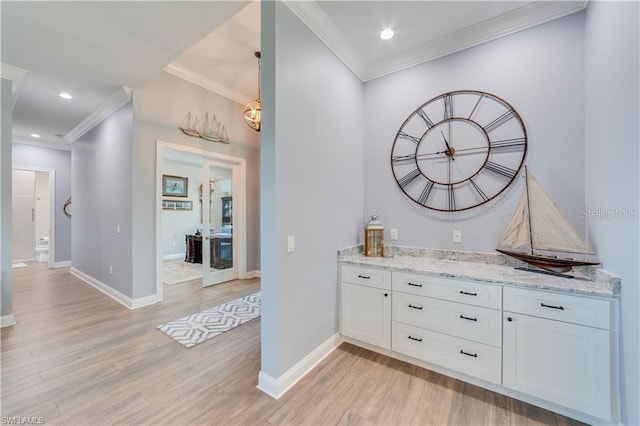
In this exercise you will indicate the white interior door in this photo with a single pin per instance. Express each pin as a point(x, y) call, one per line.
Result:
point(219, 242)
point(24, 225)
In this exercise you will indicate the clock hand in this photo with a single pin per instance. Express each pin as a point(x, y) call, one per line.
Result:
point(449, 150)
point(397, 158)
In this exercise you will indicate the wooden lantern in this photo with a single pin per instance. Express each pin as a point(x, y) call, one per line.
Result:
point(374, 238)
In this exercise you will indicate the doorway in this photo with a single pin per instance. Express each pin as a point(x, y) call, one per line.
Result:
point(203, 225)
point(33, 201)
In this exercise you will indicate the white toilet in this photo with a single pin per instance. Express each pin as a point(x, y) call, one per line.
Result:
point(42, 250)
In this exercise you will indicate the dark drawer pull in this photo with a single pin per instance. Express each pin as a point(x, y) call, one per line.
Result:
point(415, 285)
point(468, 354)
point(416, 307)
point(552, 307)
point(467, 293)
point(468, 318)
point(364, 276)
point(417, 339)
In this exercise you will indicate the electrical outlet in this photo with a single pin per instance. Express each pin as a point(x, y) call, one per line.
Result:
point(110, 269)
point(117, 229)
point(291, 244)
point(457, 236)
point(394, 234)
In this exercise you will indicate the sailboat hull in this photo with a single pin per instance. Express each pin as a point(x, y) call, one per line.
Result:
point(553, 264)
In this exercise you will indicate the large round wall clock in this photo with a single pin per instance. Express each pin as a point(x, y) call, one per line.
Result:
point(459, 150)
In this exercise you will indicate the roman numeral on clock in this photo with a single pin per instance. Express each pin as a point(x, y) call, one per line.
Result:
point(426, 118)
point(500, 121)
point(500, 169)
point(408, 178)
point(478, 190)
point(448, 106)
point(451, 197)
point(413, 139)
point(424, 196)
point(507, 143)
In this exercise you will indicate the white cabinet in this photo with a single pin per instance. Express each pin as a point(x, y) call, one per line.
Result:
point(556, 350)
point(553, 356)
point(366, 306)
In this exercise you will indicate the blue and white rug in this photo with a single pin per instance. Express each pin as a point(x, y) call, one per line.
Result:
point(197, 328)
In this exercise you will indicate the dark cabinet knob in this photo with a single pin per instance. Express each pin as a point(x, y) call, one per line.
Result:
point(509, 319)
point(386, 294)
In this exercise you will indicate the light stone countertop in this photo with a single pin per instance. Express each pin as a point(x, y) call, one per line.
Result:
point(485, 267)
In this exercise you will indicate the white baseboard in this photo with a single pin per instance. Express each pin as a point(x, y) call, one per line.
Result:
point(252, 274)
point(113, 293)
point(275, 388)
point(64, 264)
point(7, 320)
point(173, 256)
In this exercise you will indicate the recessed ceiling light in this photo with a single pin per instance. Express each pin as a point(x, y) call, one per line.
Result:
point(65, 95)
point(35, 135)
point(386, 34)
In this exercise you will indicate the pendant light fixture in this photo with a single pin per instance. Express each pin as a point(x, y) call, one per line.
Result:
point(252, 111)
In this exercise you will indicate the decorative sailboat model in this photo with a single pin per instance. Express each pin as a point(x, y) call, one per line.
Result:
point(541, 235)
point(189, 125)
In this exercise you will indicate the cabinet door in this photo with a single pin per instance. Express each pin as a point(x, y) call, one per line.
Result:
point(366, 314)
point(567, 364)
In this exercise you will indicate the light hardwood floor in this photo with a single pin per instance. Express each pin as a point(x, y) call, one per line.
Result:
point(78, 357)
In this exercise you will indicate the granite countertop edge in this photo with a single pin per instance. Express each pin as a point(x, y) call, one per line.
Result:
point(488, 268)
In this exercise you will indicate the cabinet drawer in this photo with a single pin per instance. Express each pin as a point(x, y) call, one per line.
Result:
point(479, 294)
point(474, 359)
point(468, 322)
point(366, 276)
point(561, 307)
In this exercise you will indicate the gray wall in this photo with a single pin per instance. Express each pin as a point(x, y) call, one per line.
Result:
point(60, 161)
point(6, 240)
point(312, 183)
point(538, 71)
point(612, 158)
point(101, 179)
point(158, 108)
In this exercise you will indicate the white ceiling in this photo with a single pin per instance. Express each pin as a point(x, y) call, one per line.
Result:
point(92, 48)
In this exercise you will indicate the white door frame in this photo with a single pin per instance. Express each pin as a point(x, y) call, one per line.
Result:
point(240, 204)
point(52, 207)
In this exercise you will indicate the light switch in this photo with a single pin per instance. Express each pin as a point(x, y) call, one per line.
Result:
point(457, 236)
point(291, 244)
point(394, 234)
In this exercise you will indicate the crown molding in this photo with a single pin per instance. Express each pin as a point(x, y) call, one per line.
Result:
point(187, 74)
point(321, 25)
point(517, 20)
point(9, 72)
point(509, 23)
point(63, 146)
point(119, 98)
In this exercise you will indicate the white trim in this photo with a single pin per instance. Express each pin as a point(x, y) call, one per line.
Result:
point(64, 264)
point(251, 274)
point(322, 26)
point(52, 207)
point(113, 293)
point(12, 73)
point(239, 164)
point(7, 320)
point(206, 83)
point(119, 98)
point(64, 146)
point(517, 20)
point(173, 256)
point(275, 388)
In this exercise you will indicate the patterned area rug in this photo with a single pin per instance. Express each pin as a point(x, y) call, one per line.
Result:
point(197, 328)
point(178, 271)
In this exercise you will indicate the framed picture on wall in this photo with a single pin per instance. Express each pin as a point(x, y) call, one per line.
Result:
point(175, 186)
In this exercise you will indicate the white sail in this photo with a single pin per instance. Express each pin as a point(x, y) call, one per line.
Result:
point(516, 236)
point(550, 229)
point(539, 227)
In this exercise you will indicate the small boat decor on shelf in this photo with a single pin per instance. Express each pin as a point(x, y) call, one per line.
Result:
point(541, 235)
point(210, 129)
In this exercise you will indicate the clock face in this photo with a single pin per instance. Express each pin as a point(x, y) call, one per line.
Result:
point(459, 150)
